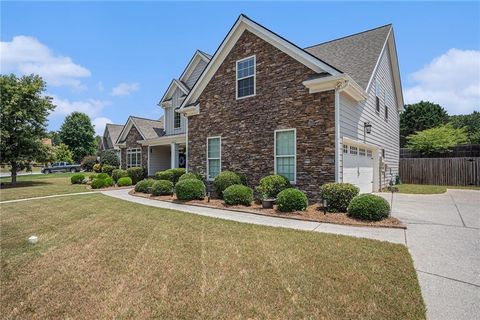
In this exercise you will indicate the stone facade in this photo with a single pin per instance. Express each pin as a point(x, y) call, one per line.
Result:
point(131, 142)
point(246, 126)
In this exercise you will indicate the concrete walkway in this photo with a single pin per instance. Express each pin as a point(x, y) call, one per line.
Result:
point(384, 234)
point(443, 238)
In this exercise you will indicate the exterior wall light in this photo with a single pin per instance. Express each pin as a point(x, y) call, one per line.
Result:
point(368, 127)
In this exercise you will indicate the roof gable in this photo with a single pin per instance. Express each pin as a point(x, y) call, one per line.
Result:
point(148, 128)
point(110, 134)
point(244, 23)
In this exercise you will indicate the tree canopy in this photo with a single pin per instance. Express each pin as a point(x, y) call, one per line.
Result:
point(23, 118)
point(63, 153)
point(78, 134)
point(471, 123)
point(436, 140)
point(420, 116)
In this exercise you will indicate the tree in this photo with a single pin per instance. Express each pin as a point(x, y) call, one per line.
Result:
point(63, 154)
point(110, 157)
point(436, 140)
point(78, 134)
point(55, 137)
point(420, 116)
point(471, 123)
point(23, 120)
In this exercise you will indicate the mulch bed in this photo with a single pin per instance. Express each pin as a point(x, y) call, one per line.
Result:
point(313, 213)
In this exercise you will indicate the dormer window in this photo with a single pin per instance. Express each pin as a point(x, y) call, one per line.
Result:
point(177, 122)
point(246, 77)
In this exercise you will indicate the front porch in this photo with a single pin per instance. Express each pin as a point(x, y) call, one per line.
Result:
point(165, 153)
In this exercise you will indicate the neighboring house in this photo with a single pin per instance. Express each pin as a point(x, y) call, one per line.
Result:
point(109, 138)
point(329, 112)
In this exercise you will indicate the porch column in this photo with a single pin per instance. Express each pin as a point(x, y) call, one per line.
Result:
point(173, 155)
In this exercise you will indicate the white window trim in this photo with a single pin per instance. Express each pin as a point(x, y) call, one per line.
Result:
point(294, 151)
point(137, 151)
point(254, 77)
point(179, 117)
point(219, 158)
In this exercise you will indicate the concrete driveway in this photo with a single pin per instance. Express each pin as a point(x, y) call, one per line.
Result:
point(443, 239)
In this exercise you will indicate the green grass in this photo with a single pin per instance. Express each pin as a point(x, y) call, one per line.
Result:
point(100, 257)
point(39, 185)
point(429, 189)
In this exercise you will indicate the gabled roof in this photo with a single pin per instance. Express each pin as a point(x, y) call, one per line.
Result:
point(355, 55)
point(148, 128)
point(114, 131)
point(244, 23)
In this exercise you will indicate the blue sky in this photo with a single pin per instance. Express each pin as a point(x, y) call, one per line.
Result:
point(113, 59)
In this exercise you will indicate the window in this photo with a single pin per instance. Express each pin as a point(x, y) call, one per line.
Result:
point(386, 112)
point(345, 148)
point(176, 119)
point(383, 153)
point(134, 157)
point(361, 152)
point(377, 96)
point(285, 154)
point(369, 153)
point(353, 150)
point(246, 77)
point(213, 157)
point(385, 101)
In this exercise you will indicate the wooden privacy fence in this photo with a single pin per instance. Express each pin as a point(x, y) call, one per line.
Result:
point(441, 171)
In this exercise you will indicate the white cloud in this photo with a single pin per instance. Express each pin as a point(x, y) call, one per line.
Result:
point(26, 55)
point(99, 124)
point(124, 89)
point(91, 107)
point(451, 80)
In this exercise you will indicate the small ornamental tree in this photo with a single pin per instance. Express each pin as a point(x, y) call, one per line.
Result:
point(110, 157)
point(436, 140)
point(78, 134)
point(23, 118)
point(63, 154)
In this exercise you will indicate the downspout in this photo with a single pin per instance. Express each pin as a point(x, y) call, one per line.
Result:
point(186, 143)
point(341, 85)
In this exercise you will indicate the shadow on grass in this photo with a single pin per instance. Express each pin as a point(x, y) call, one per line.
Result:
point(23, 184)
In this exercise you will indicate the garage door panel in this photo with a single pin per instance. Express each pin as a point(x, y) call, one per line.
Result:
point(358, 170)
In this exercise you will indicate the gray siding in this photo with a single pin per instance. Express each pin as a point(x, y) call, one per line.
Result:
point(159, 159)
point(169, 125)
point(196, 73)
point(385, 133)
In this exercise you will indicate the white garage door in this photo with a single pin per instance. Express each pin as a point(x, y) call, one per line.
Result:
point(358, 167)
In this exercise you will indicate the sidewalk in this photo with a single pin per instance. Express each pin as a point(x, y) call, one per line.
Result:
point(383, 234)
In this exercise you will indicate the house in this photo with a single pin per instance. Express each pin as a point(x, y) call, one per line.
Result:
point(109, 138)
point(263, 105)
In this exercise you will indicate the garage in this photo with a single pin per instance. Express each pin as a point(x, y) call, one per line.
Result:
point(358, 167)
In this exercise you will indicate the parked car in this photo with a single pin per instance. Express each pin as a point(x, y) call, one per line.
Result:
point(61, 167)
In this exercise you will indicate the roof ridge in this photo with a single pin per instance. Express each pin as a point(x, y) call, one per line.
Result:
point(348, 36)
point(144, 118)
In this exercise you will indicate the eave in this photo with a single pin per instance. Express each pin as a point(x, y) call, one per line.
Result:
point(342, 82)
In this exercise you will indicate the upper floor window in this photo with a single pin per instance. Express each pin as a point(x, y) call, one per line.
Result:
point(214, 158)
point(177, 122)
point(286, 154)
point(246, 77)
point(387, 98)
point(134, 157)
point(377, 96)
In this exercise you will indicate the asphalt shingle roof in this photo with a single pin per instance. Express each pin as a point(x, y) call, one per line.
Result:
point(114, 131)
point(355, 55)
point(149, 128)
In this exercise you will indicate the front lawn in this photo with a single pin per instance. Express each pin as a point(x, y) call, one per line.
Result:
point(38, 185)
point(100, 257)
point(429, 189)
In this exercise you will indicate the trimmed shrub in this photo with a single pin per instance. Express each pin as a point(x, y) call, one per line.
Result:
point(92, 176)
point(338, 195)
point(124, 181)
point(77, 178)
point(108, 169)
point(109, 182)
point(176, 174)
point(88, 162)
point(224, 180)
point(97, 167)
point(369, 207)
point(103, 176)
point(270, 186)
point(98, 183)
point(190, 175)
point(238, 194)
point(164, 175)
point(142, 186)
point(110, 157)
point(291, 199)
point(135, 173)
point(190, 189)
point(119, 173)
point(162, 188)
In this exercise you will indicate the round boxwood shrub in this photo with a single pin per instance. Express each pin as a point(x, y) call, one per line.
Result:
point(144, 185)
point(224, 180)
point(270, 186)
point(338, 195)
point(77, 178)
point(103, 176)
point(190, 189)
point(135, 173)
point(98, 183)
point(238, 194)
point(92, 176)
point(290, 200)
point(369, 207)
point(162, 188)
point(124, 181)
point(119, 173)
point(97, 167)
point(109, 182)
point(164, 175)
point(106, 168)
point(190, 175)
